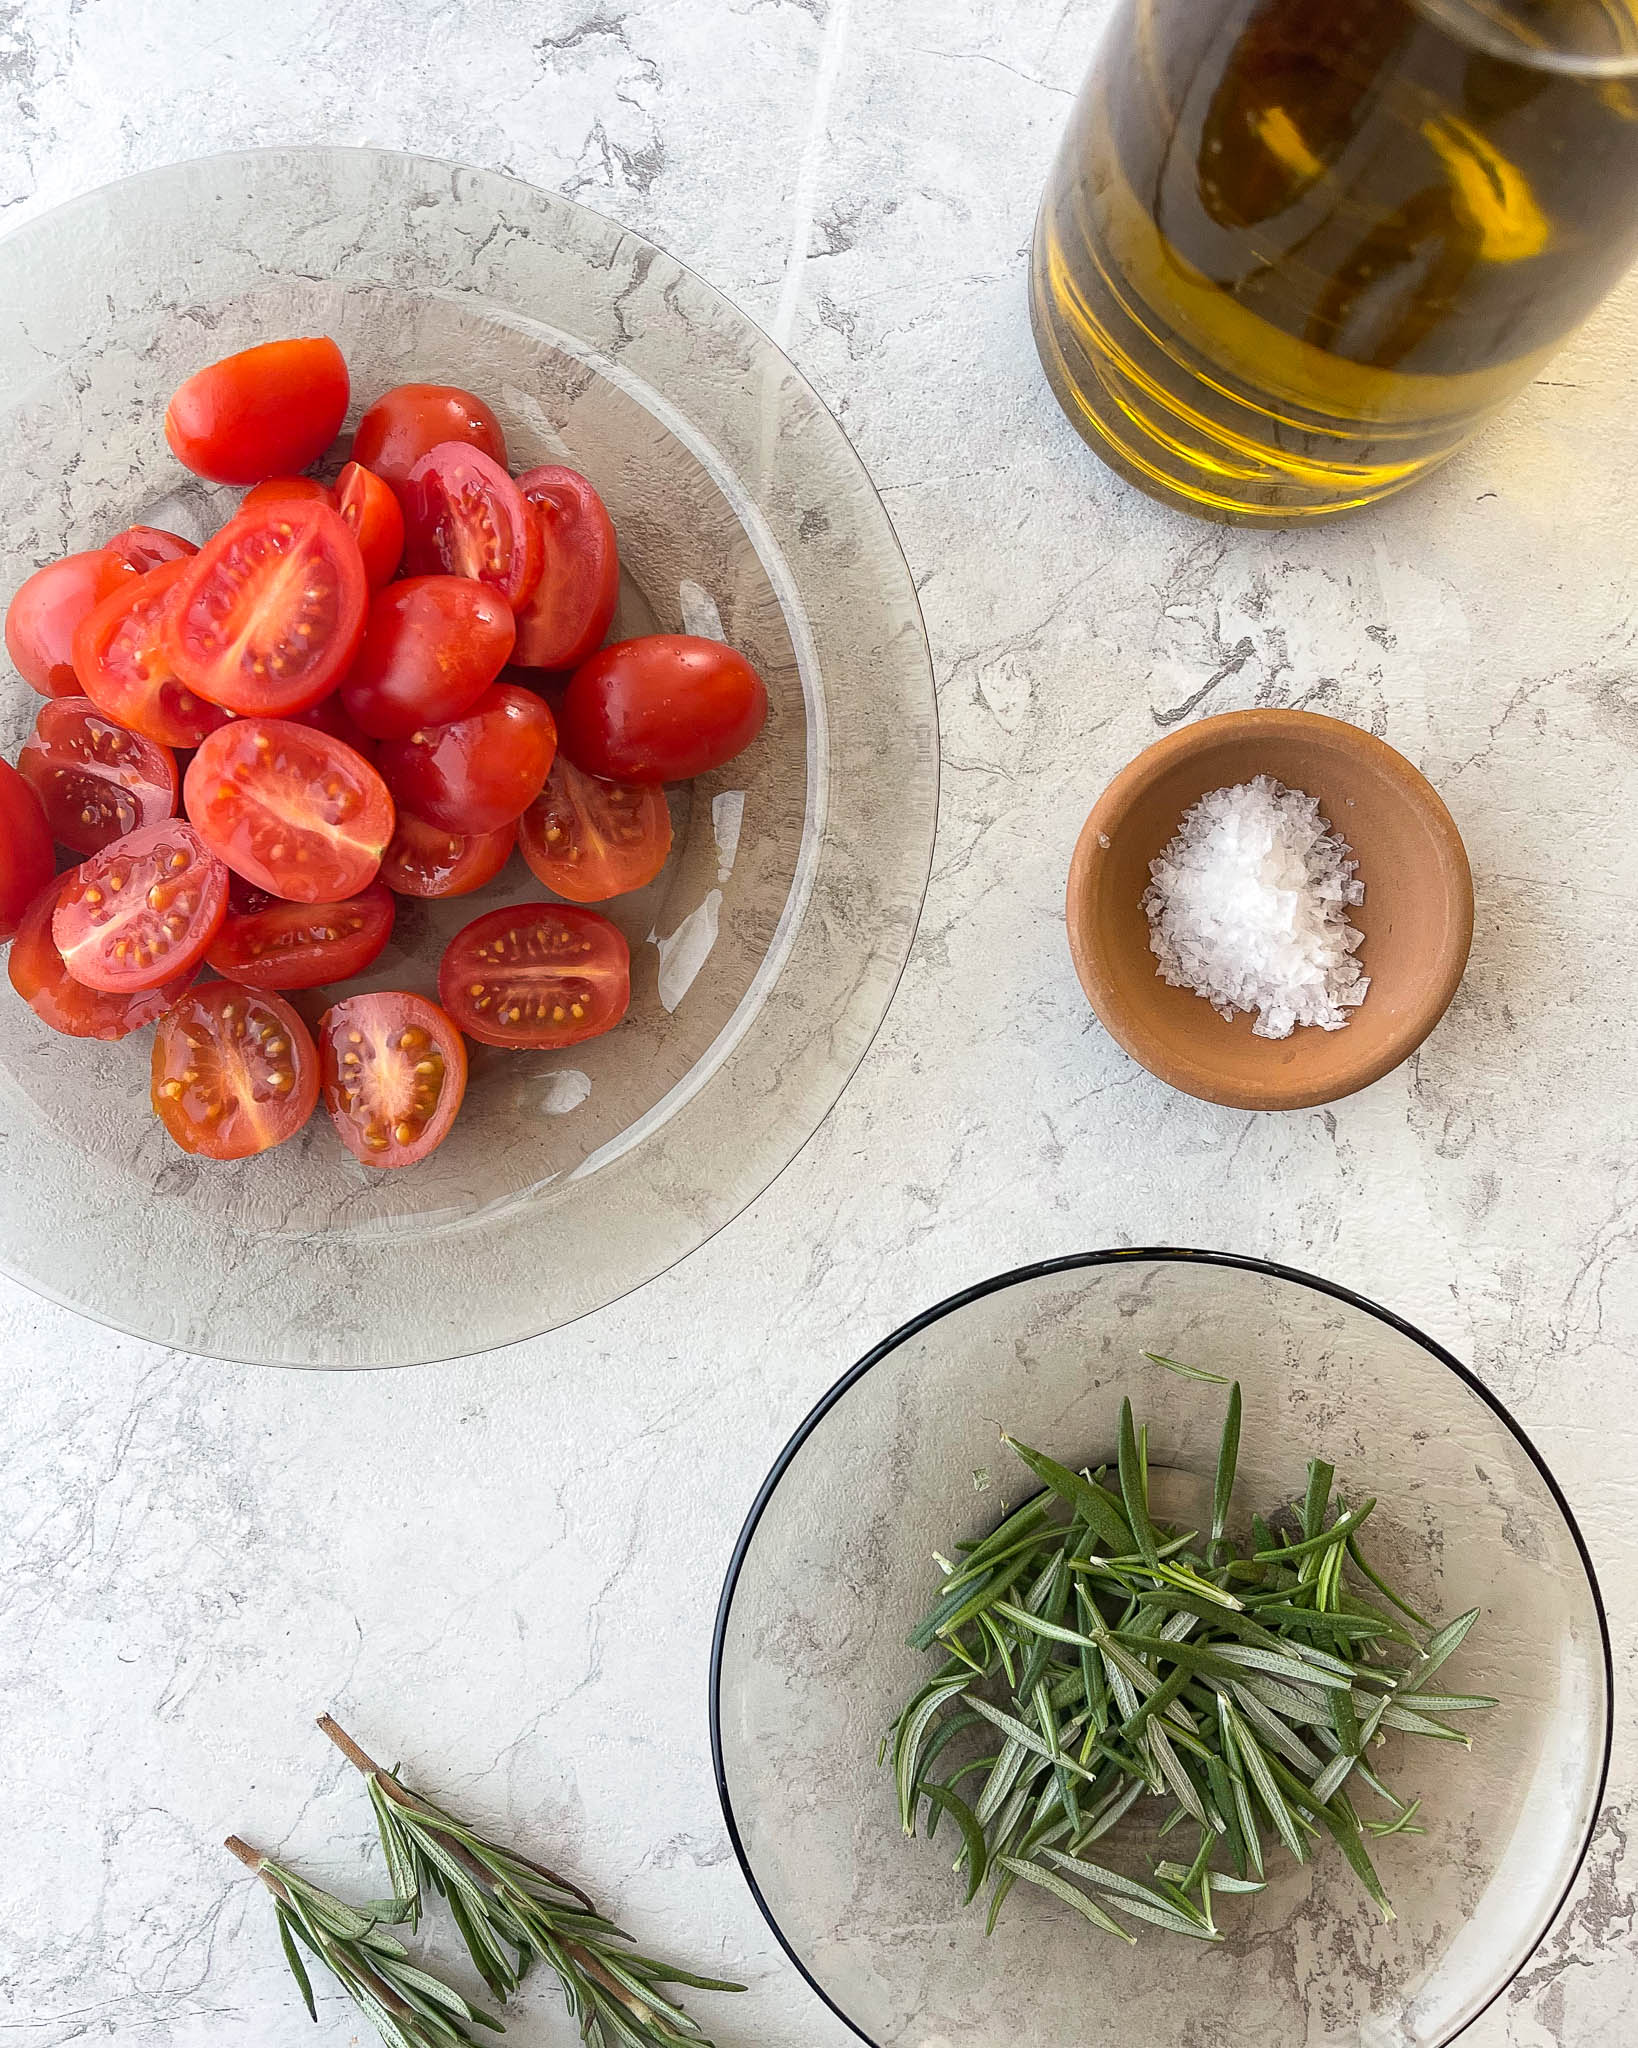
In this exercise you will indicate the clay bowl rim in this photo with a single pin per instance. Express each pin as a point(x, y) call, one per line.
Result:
point(1106, 988)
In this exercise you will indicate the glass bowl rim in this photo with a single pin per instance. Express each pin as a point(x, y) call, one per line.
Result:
point(1078, 1262)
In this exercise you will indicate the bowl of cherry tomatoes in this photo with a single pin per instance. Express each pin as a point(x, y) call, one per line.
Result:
point(469, 759)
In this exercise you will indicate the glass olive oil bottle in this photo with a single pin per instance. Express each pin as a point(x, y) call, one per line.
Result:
point(1293, 252)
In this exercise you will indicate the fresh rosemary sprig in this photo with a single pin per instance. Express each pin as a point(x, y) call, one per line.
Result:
point(510, 1911)
point(407, 2007)
point(1094, 1656)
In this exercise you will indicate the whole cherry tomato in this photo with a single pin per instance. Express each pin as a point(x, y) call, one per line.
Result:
point(268, 411)
point(432, 646)
point(268, 615)
point(49, 609)
point(235, 1070)
point(481, 770)
point(95, 780)
point(393, 1071)
point(573, 601)
point(412, 419)
point(661, 709)
point(26, 859)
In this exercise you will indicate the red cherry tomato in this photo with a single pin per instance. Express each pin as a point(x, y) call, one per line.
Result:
point(273, 944)
point(292, 810)
point(661, 709)
point(268, 615)
point(393, 1069)
point(122, 665)
point(425, 860)
point(412, 419)
point(329, 715)
point(26, 860)
point(49, 609)
point(56, 998)
point(234, 1071)
point(95, 781)
point(539, 975)
point(432, 646)
point(479, 771)
point(142, 548)
point(371, 508)
point(464, 516)
point(142, 911)
point(573, 602)
point(282, 490)
point(268, 411)
point(589, 840)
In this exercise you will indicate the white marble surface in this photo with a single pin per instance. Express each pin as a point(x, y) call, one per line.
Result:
point(505, 1570)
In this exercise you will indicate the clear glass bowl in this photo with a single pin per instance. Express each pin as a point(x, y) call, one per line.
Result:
point(902, 1458)
point(765, 955)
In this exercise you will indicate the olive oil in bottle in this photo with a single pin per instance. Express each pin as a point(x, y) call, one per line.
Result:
point(1293, 252)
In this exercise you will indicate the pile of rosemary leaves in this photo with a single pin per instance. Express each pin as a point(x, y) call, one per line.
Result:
point(1097, 1656)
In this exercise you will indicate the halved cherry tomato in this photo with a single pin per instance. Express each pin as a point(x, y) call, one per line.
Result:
point(425, 860)
point(432, 646)
point(95, 780)
point(142, 548)
point(539, 975)
point(464, 516)
point(268, 411)
point(56, 998)
point(235, 1070)
point(292, 810)
point(143, 910)
point(49, 609)
point(479, 771)
point(371, 508)
point(122, 666)
point(268, 615)
point(26, 860)
point(661, 709)
point(282, 490)
point(410, 420)
point(590, 840)
point(394, 1072)
point(565, 619)
point(274, 944)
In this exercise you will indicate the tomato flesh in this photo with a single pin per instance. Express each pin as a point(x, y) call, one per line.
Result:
point(273, 944)
point(49, 609)
point(143, 910)
point(480, 771)
point(56, 998)
point(573, 601)
point(95, 780)
point(589, 840)
point(267, 411)
point(393, 1071)
point(464, 516)
point(663, 708)
point(425, 860)
point(290, 809)
point(432, 646)
point(412, 419)
point(122, 665)
point(371, 508)
point(235, 1071)
point(540, 975)
point(142, 548)
point(26, 859)
point(268, 615)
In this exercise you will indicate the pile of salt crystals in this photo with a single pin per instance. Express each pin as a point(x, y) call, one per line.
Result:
point(1248, 906)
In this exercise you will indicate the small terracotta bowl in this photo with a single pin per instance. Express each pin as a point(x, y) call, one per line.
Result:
point(1417, 916)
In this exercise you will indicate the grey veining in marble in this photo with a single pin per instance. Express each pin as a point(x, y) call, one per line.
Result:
point(505, 1571)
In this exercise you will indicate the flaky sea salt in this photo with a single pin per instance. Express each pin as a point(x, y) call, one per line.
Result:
point(1248, 906)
